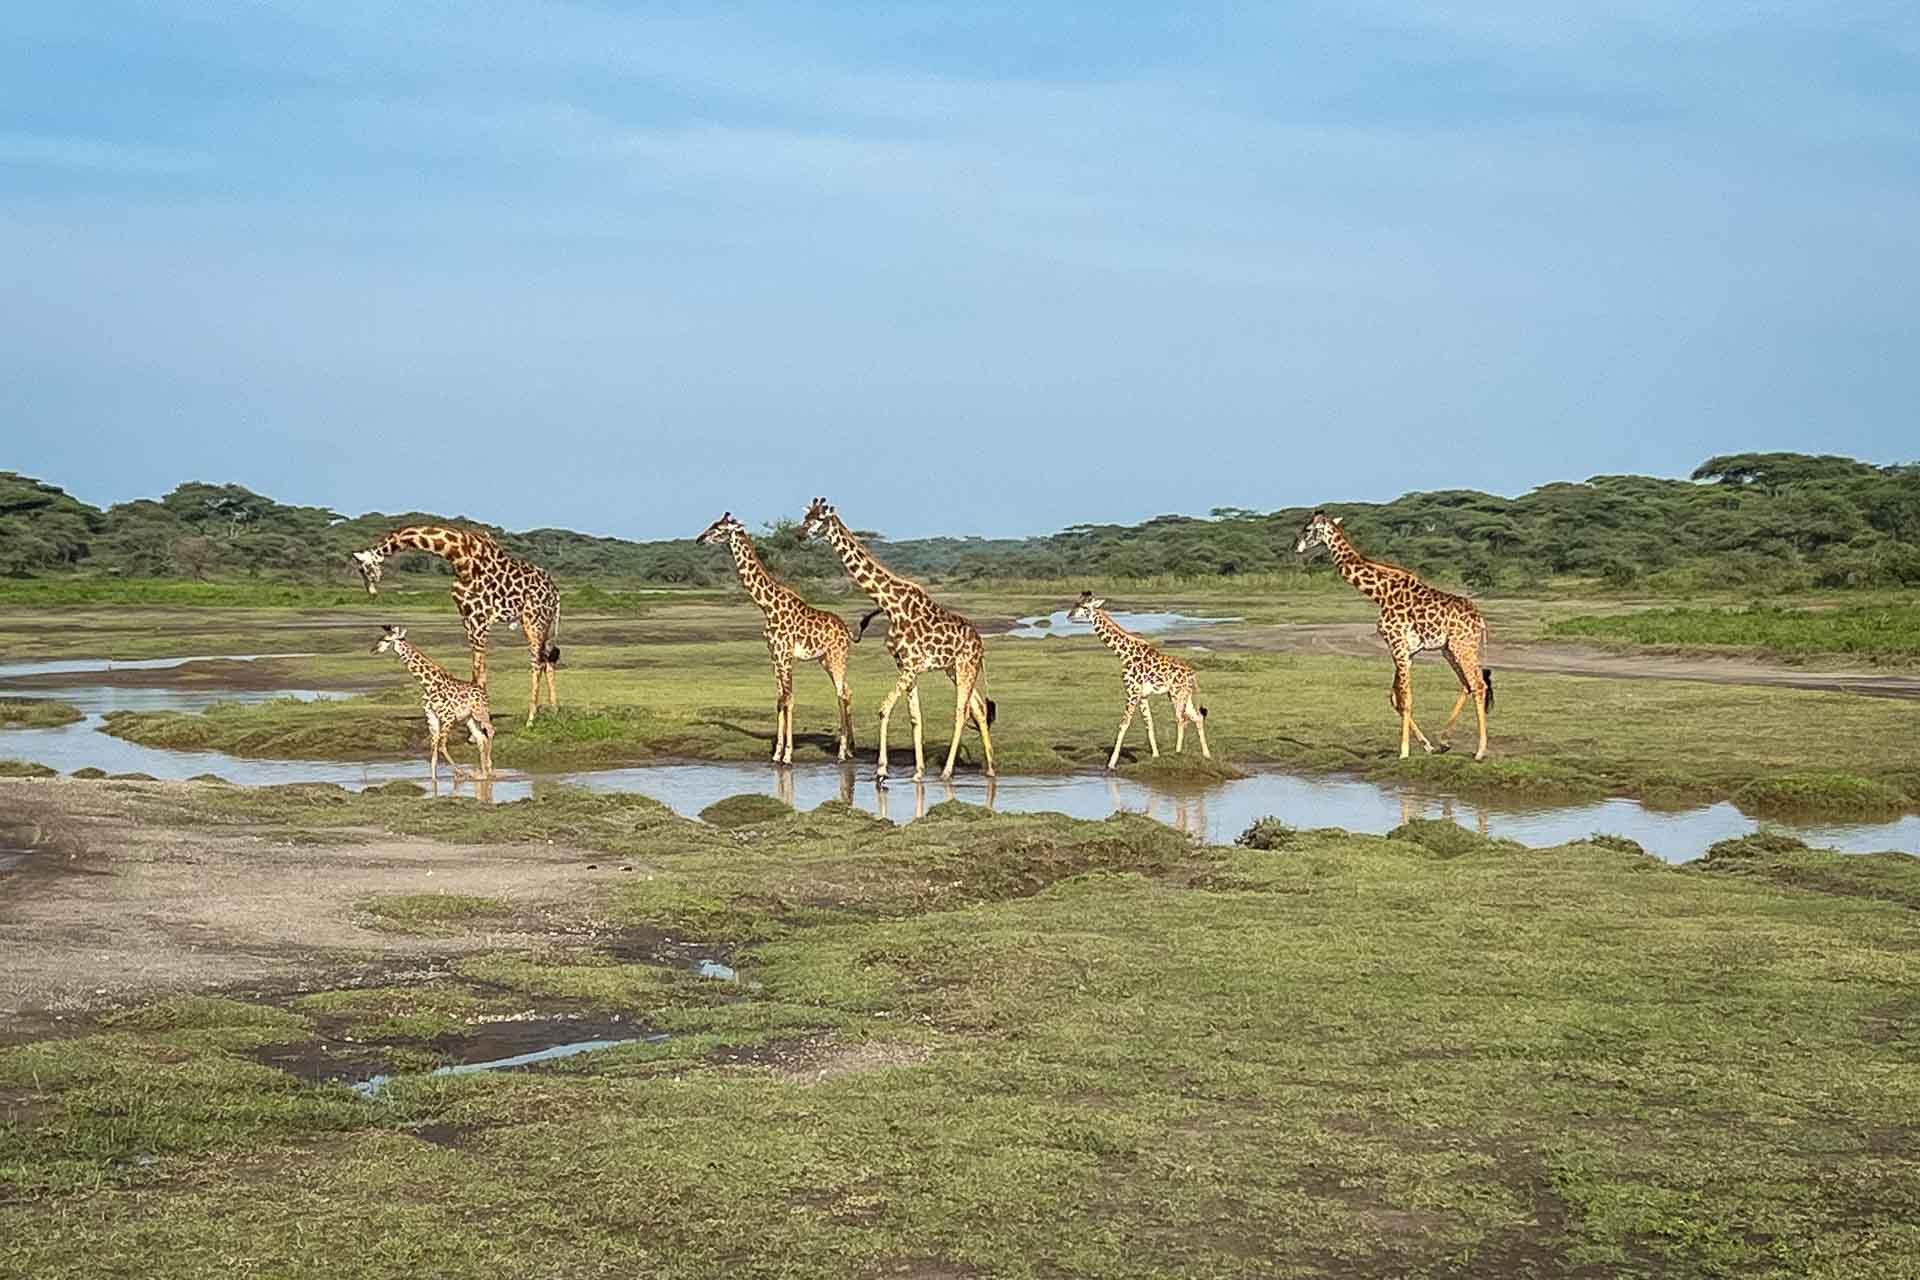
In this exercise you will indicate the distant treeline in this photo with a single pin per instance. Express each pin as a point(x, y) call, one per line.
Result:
point(1751, 521)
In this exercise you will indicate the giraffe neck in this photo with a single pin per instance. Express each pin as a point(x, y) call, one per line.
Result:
point(459, 547)
point(887, 589)
point(424, 669)
point(1367, 577)
point(1116, 637)
point(762, 587)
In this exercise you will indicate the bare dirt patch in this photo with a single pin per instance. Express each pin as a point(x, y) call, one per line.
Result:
point(164, 910)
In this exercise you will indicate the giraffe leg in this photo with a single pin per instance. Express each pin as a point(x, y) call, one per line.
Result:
point(1403, 700)
point(835, 663)
point(1179, 724)
point(477, 625)
point(1146, 712)
point(433, 746)
point(1459, 661)
point(979, 705)
point(962, 708)
point(783, 713)
point(481, 727)
point(1473, 684)
point(1126, 719)
point(900, 686)
point(919, 738)
point(533, 679)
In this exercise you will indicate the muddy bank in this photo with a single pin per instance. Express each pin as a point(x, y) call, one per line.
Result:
point(1359, 639)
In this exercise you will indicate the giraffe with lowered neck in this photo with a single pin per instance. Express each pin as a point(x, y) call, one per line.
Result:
point(795, 630)
point(447, 702)
point(921, 636)
point(488, 585)
point(1414, 618)
point(1145, 671)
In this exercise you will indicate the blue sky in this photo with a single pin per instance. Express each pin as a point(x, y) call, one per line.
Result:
point(984, 268)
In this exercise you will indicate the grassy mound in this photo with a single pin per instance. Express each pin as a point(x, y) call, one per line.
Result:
point(37, 713)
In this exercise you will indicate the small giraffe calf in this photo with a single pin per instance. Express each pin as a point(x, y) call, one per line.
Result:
point(447, 702)
point(1146, 671)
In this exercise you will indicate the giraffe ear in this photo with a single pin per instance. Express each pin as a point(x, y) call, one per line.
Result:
point(363, 557)
point(1339, 519)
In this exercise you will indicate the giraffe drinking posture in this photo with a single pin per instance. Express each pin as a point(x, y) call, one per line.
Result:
point(447, 702)
point(488, 585)
point(795, 631)
point(1145, 671)
point(1414, 618)
point(921, 636)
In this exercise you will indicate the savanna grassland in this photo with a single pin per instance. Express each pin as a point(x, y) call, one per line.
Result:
point(976, 1045)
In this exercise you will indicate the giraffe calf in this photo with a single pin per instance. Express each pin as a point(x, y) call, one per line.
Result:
point(1146, 671)
point(447, 702)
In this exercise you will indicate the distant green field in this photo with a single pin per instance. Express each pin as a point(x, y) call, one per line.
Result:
point(1881, 632)
point(30, 593)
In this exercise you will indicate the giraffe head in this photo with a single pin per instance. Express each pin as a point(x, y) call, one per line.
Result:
point(1083, 608)
point(368, 563)
point(820, 514)
point(722, 530)
point(390, 638)
point(1318, 532)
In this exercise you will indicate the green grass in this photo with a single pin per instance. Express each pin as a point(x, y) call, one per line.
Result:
point(1031, 1046)
point(1884, 631)
point(25, 769)
point(37, 713)
point(433, 912)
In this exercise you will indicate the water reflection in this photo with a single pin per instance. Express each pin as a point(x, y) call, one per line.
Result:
point(1216, 812)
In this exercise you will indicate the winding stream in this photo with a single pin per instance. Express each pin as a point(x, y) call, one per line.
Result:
point(1216, 811)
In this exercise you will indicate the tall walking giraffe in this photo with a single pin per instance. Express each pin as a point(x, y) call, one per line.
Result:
point(794, 630)
point(921, 636)
point(1145, 671)
point(488, 585)
point(1414, 618)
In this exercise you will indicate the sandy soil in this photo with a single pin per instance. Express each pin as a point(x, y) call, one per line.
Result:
point(97, 909)
point(1359, 639)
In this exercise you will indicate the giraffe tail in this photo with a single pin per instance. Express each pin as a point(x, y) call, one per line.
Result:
point(871, 615)
point(993, 709)
point(1486, 674)
point(552, 656)
point(1203, 713)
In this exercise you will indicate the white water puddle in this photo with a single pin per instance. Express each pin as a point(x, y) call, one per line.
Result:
point(1042, 625)
point(372, 1086)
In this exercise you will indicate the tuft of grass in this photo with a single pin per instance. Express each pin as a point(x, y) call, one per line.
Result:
point(37, 713)
point(745, 811)
point(88, 772)
point(1446, 839)
point(25, 769)
point(1782, 859)
point(432, 913)
point(1267, 833)
point(1819, 791)
point(1619, 844)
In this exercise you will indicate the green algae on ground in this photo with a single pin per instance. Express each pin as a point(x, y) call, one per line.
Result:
point(37, 713)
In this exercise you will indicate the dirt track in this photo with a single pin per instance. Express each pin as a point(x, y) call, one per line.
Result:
point(1358, 639)
point(97, 907)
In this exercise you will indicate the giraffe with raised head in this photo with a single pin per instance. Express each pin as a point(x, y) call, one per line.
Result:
point(921, 636)
point(447, 701)
point(1414, 618)
point(795, 630)
point(488, 586)
point(1145, 671)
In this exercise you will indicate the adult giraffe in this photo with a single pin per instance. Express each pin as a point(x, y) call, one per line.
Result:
point(921, 636)
point(794, 630)
point(1414, 618)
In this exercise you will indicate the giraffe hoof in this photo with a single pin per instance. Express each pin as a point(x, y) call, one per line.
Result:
point(1480, 755)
